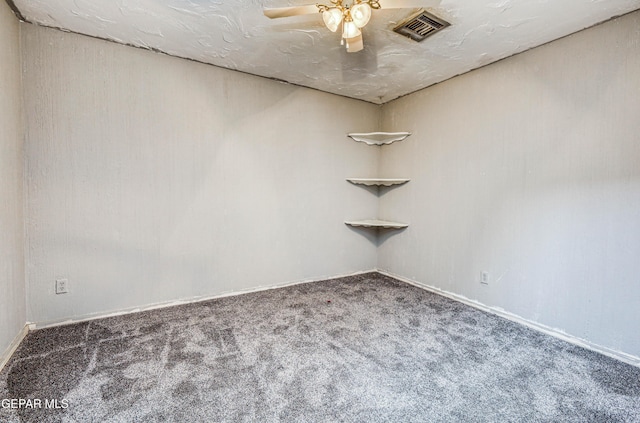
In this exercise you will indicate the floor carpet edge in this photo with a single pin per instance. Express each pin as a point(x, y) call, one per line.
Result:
point(556, 333)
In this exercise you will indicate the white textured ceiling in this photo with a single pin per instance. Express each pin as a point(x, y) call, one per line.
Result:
point(235, 34)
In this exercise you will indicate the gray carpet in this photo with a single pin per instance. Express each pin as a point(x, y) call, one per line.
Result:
point(359, 349)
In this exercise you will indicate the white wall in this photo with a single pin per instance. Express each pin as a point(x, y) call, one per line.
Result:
point(12, 291)
point(152, 178)
point(529, 169)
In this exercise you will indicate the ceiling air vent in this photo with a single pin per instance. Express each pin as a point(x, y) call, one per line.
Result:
point(420, 26)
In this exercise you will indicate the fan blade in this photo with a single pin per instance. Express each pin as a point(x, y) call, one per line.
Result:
point(407, 4)
point(354, 44)
point(285, 12)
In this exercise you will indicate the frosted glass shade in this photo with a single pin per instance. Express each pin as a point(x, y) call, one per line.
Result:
point(361, 13)
point(350, 30)
point(332, 18)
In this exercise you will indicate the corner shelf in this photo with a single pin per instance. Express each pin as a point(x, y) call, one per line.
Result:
point(378, 138)
point(378, 181)
point(378, 224)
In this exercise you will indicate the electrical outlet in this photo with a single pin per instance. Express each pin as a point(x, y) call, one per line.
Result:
point(484, 278)
point(62, 286)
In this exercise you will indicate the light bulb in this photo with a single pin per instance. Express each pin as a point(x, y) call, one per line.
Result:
point(332, 18)
point(350, 30)
point(361, 13)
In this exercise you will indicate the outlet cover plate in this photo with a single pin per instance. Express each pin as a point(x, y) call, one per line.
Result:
point(62, 286)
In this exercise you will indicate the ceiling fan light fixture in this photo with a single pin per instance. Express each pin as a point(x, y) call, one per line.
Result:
point(332, 18)
point(360, 14)
point(350, 30)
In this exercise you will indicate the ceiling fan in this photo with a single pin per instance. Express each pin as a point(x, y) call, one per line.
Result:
point(350, 15)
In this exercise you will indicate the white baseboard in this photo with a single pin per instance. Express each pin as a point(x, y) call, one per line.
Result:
point(95, 316)
point(6, 355)
point(557, 333)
